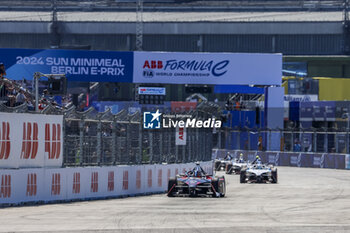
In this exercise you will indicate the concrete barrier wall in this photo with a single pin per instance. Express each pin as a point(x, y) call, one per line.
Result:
point(18, 186)
point(293, 159)
point(30, 140)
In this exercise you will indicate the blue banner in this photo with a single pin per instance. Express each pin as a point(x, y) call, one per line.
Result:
point(83, 66)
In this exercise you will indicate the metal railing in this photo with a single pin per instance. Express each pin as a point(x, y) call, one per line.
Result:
point(308, 140)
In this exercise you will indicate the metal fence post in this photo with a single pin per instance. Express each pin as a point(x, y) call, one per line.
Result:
point(229, 139)
point(325, 142)
point(270, 138)
point(128, 144)
point(139, 157)
point(196, 144)
point(347, 140)
point(219, 138)
point(314, 149)
point(150, 146)
point(169, 147)
point(114, 142)
point(79, 159)
point(161, 153)
point(336, 143)
point(239, 140)
point(176, 154)
point(184, 154)
point(99, 143)
point(189, 145)
point(119, 146)
point(302, 140)
point(292, 141)
point(248, 133)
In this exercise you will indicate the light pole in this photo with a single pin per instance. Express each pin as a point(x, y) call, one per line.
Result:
point(37, 76)
point(346, 115)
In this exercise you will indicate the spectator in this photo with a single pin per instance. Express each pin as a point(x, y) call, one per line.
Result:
point(11, 96)
point(30, 104)
point(46, 96)
point(20, 98)
point(42, 105)
point(11, 91)
point(2, 90)
point(308, 146)
point(2, 70)
point(11, 101)
point(297, 146)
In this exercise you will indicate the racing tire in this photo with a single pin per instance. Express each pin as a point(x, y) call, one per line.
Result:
point(274, 176)
point(217, 165)
point(215, 185)
point(242, 177)
point(171, 189)
point(223, 191)
point(229, 169)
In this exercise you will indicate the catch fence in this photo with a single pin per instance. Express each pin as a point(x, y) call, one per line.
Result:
point(94, 138)
point(287, 140)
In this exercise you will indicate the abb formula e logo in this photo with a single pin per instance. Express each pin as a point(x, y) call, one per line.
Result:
point(53, 140)
point(31, 185)
point(29, 140)
point(186, 68)
point(5, 190)
point(56, 184)
point(76, 182)
point(94, 182)
point(5, 142)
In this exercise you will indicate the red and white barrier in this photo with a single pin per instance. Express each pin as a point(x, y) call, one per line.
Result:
point(65, 184)
point(30, 140)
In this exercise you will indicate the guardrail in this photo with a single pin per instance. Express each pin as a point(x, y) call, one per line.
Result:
point(43, 185)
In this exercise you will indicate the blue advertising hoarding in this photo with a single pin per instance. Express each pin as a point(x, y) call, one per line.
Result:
point(146, 67)
point(83, 66)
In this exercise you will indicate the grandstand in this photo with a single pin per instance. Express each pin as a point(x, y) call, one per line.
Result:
point(202, 5)
point(288, 27)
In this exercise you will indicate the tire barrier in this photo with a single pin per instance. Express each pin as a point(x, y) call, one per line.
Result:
point(292, 159)
point(43, 185)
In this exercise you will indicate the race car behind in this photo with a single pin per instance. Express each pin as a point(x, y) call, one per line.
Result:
point(220, 164)
point(197, 183)
point(236, 166)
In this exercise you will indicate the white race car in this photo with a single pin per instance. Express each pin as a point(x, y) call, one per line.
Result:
point(220, 164)
point(235, 166)
point(259, 173)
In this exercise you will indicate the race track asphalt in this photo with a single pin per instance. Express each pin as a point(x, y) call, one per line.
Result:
point(304, 200)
